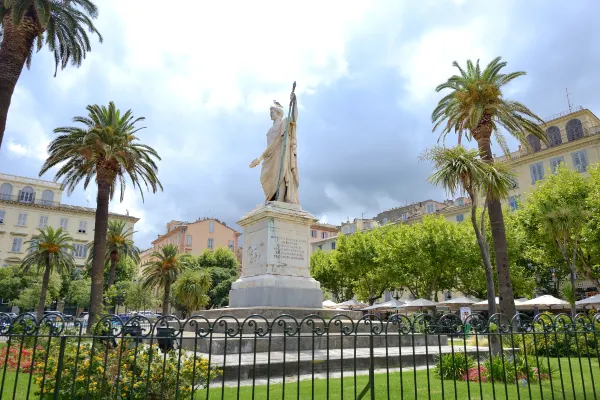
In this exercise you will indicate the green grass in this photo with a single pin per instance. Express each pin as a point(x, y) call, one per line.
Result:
point(22, 383)
point(434, 390)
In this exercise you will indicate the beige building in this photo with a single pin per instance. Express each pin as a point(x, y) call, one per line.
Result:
point(195, 237)
point(27, 205)
point(319, 232)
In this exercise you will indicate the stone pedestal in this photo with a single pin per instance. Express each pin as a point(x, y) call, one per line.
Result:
point(276, 259)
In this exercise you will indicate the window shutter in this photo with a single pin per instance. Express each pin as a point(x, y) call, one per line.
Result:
point(584, 160)
point(577, 161)
point(533, 170)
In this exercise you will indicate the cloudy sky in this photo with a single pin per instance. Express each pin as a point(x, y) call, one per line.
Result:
point(205, 73)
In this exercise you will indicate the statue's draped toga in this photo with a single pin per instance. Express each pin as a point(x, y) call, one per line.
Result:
point(279, 178)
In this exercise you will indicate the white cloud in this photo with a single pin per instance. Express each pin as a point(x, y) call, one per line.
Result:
point(427, 61)
point(223, 55)
point(26, 134)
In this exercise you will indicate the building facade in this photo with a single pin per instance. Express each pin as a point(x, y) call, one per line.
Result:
point(319, 232)
point(28, 204)
point(196, 237)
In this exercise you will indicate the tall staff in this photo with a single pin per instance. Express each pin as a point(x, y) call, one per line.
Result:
point(291, 108)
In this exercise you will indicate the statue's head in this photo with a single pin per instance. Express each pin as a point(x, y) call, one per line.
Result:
point(276, 112)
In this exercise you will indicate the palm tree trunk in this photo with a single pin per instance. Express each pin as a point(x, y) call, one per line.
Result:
point(45, 281)
point(505, 291)
point(100, 229)
point(13, 53)
point(165, 308)
point(487, 265)
point(113, 269)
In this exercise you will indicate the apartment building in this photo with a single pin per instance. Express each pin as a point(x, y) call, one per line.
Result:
point(320, 232)
point(28, 204)
point(195, 237)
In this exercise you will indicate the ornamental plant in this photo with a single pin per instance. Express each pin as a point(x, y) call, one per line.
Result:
point(129, 370)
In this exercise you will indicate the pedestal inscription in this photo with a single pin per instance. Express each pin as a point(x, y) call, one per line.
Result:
point(275, 264)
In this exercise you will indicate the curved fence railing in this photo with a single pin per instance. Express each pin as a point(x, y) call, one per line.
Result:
point(417, 356)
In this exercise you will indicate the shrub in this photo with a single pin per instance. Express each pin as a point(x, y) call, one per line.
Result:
point(454, 366)
point(122, 372)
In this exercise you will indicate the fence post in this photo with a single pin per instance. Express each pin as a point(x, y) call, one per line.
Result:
point(372, 366)
point(61, 355)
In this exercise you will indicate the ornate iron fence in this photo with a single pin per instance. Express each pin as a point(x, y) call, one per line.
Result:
point(418, 356)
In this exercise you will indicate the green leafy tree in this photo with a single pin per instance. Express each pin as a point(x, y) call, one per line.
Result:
point(476, 108)
point(558, 204)
point(459, 170)
point(140, 298)
point(426, 256)
point(12, 282)
point(26, 25)
point(105, 150)
point(325, 268)
point(356, 256)
point(162, 271)
point(191, 288)
point(79, 293)
point(590, 239)
point(49, 250)
point(30, 295)
point(125, 270)
point(223, 267)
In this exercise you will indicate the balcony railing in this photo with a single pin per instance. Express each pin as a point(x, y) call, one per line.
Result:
point(18, 199)
point(525, 151)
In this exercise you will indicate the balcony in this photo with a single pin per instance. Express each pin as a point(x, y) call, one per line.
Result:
point(525, 151)
point(16, 199)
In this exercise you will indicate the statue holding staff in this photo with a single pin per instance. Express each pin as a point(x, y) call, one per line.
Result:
point(279, 173)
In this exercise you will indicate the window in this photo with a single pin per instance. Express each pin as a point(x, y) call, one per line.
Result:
point(323, 235)
point(385, 220)
point(82, 227)
point(404, 216)
point(211, 226)
point(460, 202)
point(313, 234)
point(210, 243)
point(80, 250)
point(332, 245)
point(47, 197)
point(22, 220)
point(574, 130)
point(430, 208)
point(555, 162)
point(534, 142)
point(230, 244)
point(537, 172)
point(16, 245)
point(346, 230)
point(460, 218)
point(26, 195)
point(43, 221)
point(554, 138)
point(6, 191)
point(367, 225)
point(2, 213)
point(513, 203)
point(64, 223)
point(320, 247)
point(188, 240)
point(580, 160)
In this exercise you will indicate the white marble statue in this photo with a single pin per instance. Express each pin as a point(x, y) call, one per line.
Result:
point(279, 178)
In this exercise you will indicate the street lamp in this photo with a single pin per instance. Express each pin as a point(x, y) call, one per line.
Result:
point(398, 292)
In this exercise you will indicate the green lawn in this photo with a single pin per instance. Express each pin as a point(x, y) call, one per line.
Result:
point(22, 383)
point(571, 391)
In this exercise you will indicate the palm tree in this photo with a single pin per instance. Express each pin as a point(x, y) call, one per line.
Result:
point(28, 25)
point(119, 243)
point(191, 289)
point(162, 270)
point(49, 250)
point(476, 108)
point(105, 148)
point(460, 170)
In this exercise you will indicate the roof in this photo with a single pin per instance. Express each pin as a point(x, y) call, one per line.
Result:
point(325, 226)
point(68, 208)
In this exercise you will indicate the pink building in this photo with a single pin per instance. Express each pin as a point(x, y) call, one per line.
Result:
point(195, 237)
point(320, 232)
